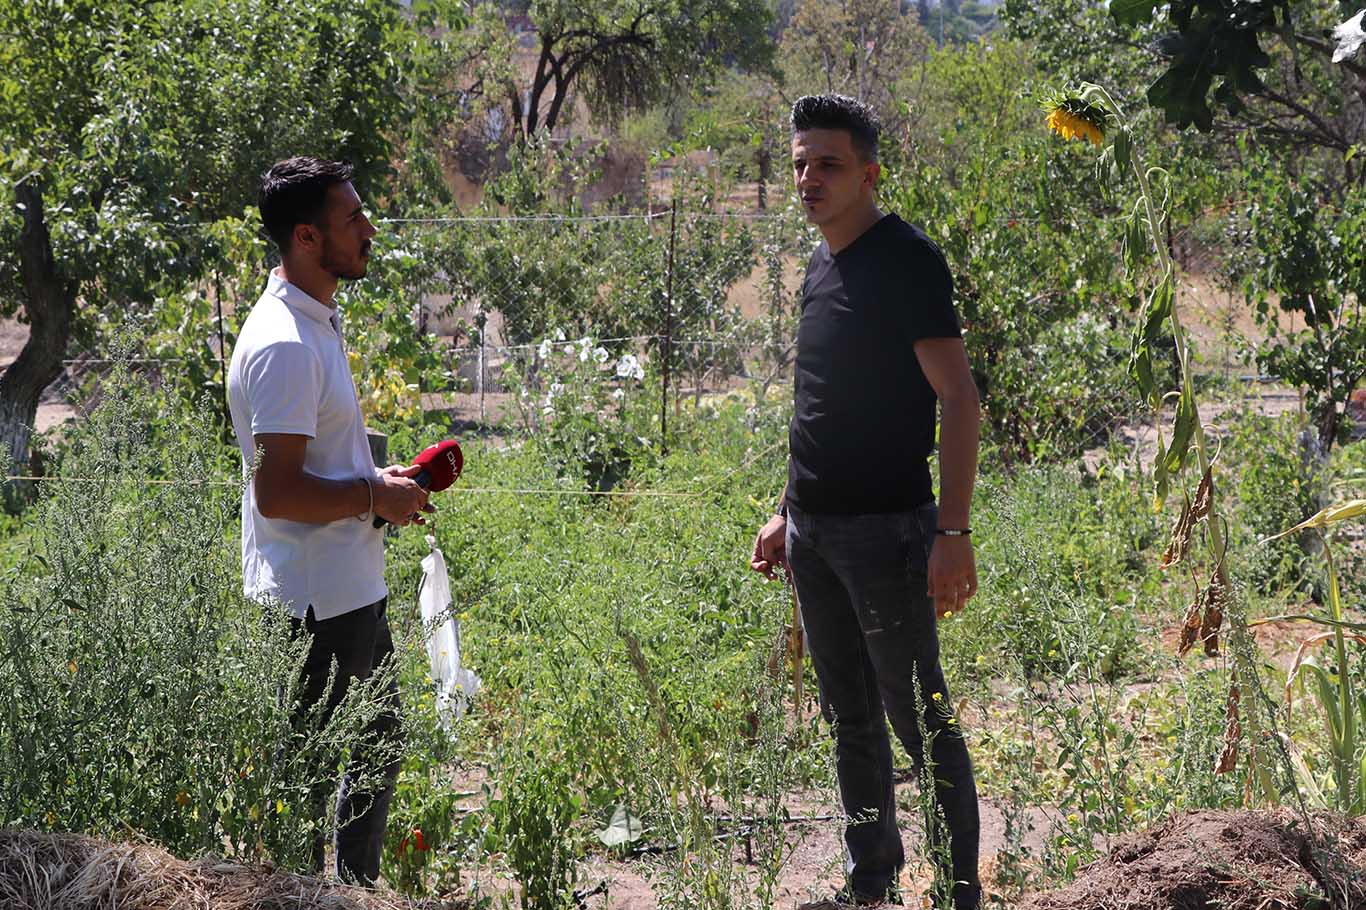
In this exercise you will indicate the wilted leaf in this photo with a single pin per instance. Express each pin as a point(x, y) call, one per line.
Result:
point(1213, 619)
point(624, 828)
point(1353, 508)
point(1181, 538)
point(1204, 496)
point(1190, 627)
point(1233, 733)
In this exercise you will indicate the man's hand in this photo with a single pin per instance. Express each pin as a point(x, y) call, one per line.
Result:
point(398, 498)
point(770, 547)
point(952, 574)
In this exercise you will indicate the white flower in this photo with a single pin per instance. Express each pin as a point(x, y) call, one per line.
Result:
point(544, 350)
point(559, 334)
point(600, 355)
point(585, 346)
point(569, 349)
point(556, 389)
point(618, 394)
point(628, 367)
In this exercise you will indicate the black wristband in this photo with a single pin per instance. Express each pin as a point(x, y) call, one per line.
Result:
point(954, 532)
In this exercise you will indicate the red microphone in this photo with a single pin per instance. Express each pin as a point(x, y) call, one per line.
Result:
point(441, 465)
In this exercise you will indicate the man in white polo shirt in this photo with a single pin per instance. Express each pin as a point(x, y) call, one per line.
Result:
point(308, 541)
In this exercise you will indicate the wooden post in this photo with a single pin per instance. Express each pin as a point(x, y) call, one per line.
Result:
point(379, 447)
point(796, 647)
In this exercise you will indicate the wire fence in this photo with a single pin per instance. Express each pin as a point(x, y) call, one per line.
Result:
point(502, 307)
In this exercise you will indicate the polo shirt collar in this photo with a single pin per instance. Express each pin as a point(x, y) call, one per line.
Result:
point(299, 301)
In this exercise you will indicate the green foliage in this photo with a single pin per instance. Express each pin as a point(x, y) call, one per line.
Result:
point(1083, 546)
point(1300, 260)
point(861, 48)
point(140, 120)
point(1272, 489)
point(141, 692)
point(1211, 40)
point(620, 56)
point(596, 416)
point(532, 822)
point(1032, 253)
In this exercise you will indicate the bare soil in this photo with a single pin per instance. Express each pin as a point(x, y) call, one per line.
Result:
point(1254, 860)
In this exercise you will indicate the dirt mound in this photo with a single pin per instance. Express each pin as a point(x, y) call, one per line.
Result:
point(1256, 860)
point(71, 872)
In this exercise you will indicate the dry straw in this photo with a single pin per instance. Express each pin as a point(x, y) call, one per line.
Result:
point(73, 872)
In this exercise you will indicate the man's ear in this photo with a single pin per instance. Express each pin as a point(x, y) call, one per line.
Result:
point(871, 171)
point(306, 236)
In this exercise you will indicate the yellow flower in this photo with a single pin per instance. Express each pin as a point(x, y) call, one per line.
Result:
point(1070, 126)
point(938, 696)
point(1071, 116)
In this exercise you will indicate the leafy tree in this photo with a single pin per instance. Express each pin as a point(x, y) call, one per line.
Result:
point(125, 127)
point(1311, 259)
point(620, 55)
point(1265, 64)
point(1031, 244)
point(862, 48)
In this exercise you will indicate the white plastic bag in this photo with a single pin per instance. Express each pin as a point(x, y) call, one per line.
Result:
point(455, 686)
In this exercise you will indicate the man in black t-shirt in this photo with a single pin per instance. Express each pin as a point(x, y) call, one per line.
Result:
point(875, 561)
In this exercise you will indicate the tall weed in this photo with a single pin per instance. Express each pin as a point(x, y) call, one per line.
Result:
point(139, 691)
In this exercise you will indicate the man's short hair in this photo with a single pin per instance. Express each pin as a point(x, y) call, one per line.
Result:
point(294, 191)
point(839, 112)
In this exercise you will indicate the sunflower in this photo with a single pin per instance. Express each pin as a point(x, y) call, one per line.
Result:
point(1073, 117)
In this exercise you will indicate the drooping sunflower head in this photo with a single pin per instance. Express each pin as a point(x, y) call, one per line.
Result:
point(1073, 116)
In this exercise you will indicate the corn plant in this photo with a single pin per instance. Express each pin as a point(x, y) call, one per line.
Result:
point(1343, 707)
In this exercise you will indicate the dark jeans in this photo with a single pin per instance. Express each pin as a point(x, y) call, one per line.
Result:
point(871, 631)
point(359, 642)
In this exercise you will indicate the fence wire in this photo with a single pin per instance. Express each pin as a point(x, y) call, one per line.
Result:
point(707, 301)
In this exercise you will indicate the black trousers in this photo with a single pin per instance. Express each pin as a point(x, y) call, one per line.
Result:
point(359, 642)
point(872, 633)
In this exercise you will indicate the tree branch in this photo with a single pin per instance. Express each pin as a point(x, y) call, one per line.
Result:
point(1326, 48)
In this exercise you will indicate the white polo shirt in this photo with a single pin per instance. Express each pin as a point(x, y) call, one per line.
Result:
point(289, 375)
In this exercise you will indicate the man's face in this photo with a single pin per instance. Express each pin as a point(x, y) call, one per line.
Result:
point(832, 180)
point(346, 233)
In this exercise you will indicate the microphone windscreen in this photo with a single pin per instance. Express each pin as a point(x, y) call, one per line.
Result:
point(443, 463)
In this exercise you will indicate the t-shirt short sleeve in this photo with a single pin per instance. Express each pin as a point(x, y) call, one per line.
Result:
point(282, 382)
point(930, 312)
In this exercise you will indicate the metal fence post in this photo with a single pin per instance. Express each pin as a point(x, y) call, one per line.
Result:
point(222, 344)
point(482, 320)
point(668, 331)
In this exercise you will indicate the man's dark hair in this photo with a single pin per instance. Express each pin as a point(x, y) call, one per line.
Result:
point(839, 112)
point(294, 191)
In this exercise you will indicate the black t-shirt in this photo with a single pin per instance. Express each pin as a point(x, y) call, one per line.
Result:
point(863, 427)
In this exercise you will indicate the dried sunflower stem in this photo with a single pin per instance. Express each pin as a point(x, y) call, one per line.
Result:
point(1217, 544)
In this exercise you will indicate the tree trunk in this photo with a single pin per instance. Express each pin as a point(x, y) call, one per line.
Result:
point(765, 164)
point(1326, 423)
point(49, 303)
